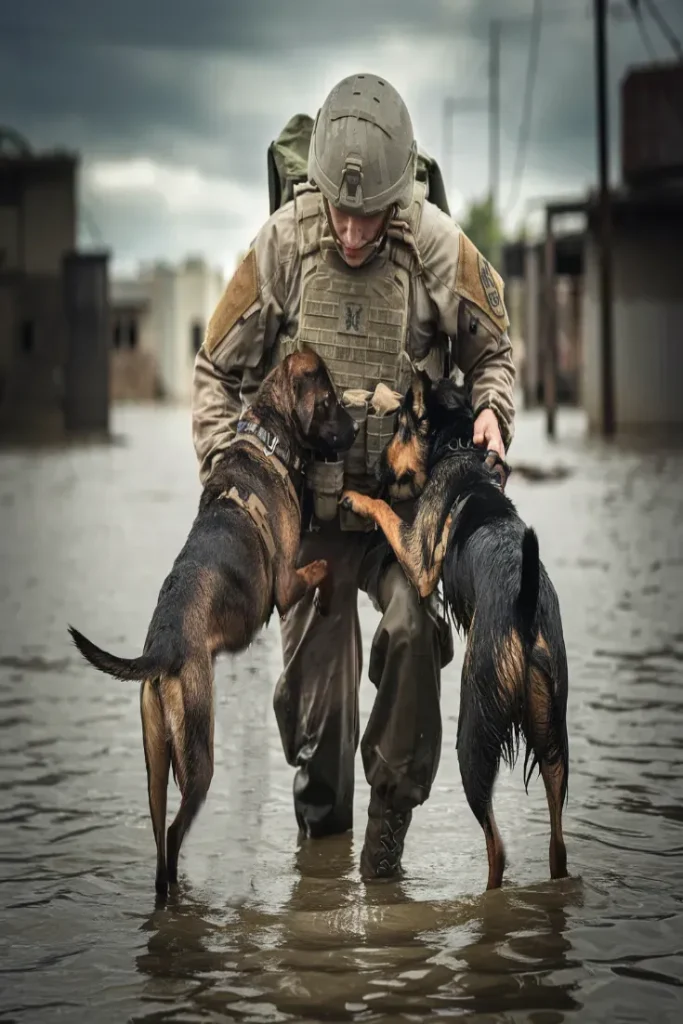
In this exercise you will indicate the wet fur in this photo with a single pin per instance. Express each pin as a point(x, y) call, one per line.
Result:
point(221, 589)
point(467, 533)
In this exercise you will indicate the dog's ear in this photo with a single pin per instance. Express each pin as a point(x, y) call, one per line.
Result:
point(419, 389)
point(305, 404)
point(450, 395)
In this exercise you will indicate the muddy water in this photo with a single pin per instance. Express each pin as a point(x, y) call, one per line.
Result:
point(263, 929)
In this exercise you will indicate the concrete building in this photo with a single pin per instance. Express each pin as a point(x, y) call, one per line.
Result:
point(159, 320)
point(647, 236)
point(523, 270)
point(53, 301)
point(647, 284)
point(134, 372)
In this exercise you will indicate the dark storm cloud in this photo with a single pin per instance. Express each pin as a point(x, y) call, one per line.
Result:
point(233, 25)
point(109, 73)
point(206, 84)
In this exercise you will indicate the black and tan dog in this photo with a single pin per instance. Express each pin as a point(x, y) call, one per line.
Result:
point(238, 562)
point(467, 532)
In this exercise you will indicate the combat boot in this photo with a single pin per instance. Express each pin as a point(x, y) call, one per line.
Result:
point(384, 839)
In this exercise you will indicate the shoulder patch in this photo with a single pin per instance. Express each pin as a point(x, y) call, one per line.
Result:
point(241, 292)
point(476, 280)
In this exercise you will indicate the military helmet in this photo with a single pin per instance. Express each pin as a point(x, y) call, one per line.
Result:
point(363, 153)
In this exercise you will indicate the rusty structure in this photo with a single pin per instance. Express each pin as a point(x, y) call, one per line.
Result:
point(54, 351)
point(605, 335)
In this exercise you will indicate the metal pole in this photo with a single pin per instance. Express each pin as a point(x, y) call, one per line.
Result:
point(494, 111)
point(533, 287)
point(447, 142)
point(453, 105)
point(605, 221)
point(550, 331)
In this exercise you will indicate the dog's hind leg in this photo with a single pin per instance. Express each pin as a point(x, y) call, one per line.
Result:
point(554, 779)
point(546, 734)
point(189, 708)
point(479, 760)
point(158, 760)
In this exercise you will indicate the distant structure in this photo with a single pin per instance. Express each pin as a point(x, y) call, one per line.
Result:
point(561, 317)
point(158, 323)
point(54, 331)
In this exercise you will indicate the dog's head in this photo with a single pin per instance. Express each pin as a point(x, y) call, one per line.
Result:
point(427, 411)
point(321, 422)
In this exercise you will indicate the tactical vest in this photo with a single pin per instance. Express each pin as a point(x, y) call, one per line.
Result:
point(357, 318)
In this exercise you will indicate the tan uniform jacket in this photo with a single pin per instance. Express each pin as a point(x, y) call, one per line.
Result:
point(456, 293)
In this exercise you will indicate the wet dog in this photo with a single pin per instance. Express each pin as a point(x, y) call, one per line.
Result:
point(238, 562)
point(467, 533)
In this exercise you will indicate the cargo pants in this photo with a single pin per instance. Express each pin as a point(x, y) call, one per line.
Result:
point(316, 698)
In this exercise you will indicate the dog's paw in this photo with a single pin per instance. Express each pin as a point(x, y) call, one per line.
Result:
point(349, 501)
point(323, 594)
point(323, 597)
point(316, 571)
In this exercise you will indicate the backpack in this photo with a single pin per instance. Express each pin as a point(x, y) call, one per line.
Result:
point(288, 163)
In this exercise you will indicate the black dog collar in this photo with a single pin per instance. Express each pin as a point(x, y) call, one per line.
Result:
point(498, 467)
point(272, 445)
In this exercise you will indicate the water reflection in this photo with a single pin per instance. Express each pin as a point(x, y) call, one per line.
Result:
point(339, 948)
point(264, 928)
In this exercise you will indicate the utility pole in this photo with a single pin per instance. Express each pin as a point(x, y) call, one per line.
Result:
point(453, 105)
point(605, 221)
point(494, 112)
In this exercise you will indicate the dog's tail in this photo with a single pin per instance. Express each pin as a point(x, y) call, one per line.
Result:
point(121, 668)
point(527, 599)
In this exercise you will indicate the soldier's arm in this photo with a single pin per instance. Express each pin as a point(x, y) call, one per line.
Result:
point(468, 295)
point(236, 351)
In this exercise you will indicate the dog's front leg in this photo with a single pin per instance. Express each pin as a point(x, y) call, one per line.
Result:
point(400, 535)
point(291, 584)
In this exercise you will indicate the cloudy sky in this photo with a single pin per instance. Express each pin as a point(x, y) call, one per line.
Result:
point(172, 103)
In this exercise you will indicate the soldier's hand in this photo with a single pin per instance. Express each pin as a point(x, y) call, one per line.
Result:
point(487, 431)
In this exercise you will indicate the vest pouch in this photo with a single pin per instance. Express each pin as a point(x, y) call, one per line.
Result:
point(355, 473)
point(326, 481)
point(380, 430)
point(355, 458)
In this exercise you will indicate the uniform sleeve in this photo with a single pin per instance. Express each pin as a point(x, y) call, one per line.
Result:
point(469, 298)
point(240, 336)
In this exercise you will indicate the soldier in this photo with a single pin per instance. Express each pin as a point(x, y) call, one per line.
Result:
point(361, 267)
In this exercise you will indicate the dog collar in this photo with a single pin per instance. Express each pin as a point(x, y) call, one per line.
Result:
point(272, 445)
point(497, 467)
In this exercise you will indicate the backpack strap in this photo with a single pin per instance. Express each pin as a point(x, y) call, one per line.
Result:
point(403, 231)
point(308, 207)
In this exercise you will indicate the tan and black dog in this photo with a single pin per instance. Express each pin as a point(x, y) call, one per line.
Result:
point(238, 562)
point(467, 533)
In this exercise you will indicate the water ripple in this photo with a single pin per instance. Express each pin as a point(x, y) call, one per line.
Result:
point(264, 928)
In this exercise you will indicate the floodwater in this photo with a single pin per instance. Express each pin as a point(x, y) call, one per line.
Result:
point(262, 929)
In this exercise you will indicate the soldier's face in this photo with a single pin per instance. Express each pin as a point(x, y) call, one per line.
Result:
point(355, 234)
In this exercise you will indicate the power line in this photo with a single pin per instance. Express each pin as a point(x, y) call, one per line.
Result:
point(525, 123)
point(664, 27)
point(637, 13)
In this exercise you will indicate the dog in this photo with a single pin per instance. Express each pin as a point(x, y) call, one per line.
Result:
point(467, 533)
point(238, 563)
